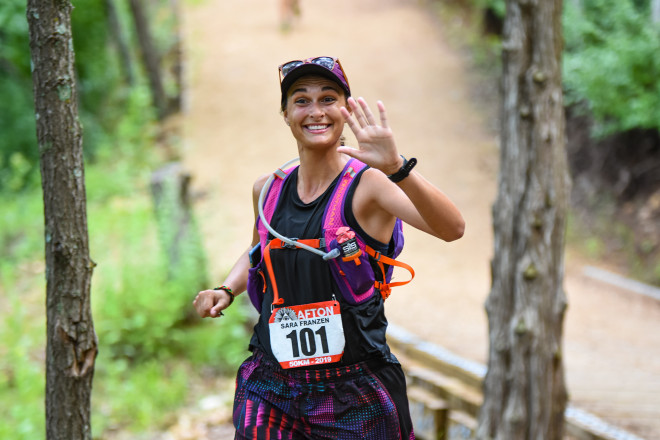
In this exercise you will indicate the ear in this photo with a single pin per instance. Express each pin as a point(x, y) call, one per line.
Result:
point(348, 107)
point(349, 110)
point(285, 115)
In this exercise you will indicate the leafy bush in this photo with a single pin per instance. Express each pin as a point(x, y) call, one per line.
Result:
point(136, 396)
point(18, 154)
point(143, 317)
point(150, 347)
point(22, 382)
point(139, 308)
point(611, 64)
point(611, 67)
point(102, 91)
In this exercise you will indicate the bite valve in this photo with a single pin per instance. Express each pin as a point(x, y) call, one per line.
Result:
point(331, 255)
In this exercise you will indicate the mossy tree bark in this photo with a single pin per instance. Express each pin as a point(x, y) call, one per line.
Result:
point(71, 342)
point(524, 389)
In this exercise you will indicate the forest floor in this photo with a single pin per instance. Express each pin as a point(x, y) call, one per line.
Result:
point(398, 51)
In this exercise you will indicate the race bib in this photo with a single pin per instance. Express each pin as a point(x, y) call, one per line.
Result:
point(307, 335)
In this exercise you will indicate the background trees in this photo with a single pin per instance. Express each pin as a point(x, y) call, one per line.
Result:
point(611, 82)
point(142, 337)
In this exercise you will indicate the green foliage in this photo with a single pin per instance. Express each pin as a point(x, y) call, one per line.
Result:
point(136, 396)
point(611, 64)
point(138, 308)
point(143, 316)
point(21, 371)
point(151, 347)
point(103, 93)
point(21, 221)
point(611, 67)
point(21, 331)
point(151, 344)
point(497, 6)
point(18, 157)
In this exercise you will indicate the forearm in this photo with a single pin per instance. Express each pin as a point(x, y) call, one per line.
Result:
point(237, 278)
point(441, 216)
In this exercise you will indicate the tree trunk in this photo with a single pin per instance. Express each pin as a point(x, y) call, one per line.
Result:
point(655, 12)
point(176, 102)
point(150, 57)
point(524, 389)
point(170, 189)
point(114, 24)
point(71, 342)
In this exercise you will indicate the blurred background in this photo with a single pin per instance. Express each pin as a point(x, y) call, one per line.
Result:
point(180, 106)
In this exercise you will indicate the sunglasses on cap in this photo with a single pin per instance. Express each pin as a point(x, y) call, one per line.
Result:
point(331, 64)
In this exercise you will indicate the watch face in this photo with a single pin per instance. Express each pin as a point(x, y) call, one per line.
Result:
point(408, 165)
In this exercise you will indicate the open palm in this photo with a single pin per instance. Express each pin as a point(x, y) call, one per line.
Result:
point(376, 146)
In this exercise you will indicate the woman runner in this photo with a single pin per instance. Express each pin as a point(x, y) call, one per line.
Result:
point(320, 366)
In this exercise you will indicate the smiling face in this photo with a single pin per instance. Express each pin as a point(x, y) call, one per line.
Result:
point(313, 111)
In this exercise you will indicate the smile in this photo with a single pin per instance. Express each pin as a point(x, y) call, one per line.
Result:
point(317, 127)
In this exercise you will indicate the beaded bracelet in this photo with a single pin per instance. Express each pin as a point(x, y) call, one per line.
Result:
point(229, 291)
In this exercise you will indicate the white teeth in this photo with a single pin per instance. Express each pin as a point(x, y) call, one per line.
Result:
point(317, 127)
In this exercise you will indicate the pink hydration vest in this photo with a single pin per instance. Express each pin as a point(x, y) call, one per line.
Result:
point(352, 271)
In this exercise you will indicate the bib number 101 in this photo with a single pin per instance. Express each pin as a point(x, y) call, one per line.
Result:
point(308, 334)
point(305, 341)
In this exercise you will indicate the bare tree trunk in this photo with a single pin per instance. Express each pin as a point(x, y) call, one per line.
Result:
point(151, 58)
point(176, 102)
point(524, 389)
point(170, 189)
point(71, 342)
point(120, 42)
point(655, 12)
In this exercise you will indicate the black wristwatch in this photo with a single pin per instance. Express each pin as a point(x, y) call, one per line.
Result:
point(404, 171)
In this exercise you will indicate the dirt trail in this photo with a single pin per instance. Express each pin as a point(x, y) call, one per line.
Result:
point(394, 51)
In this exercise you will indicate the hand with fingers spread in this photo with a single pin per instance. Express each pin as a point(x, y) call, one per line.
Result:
point(376, 146)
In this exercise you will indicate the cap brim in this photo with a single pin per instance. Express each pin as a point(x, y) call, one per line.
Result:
point(310, 69)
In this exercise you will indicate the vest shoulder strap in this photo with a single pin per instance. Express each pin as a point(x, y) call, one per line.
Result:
point(270, 202)
point(333, 218)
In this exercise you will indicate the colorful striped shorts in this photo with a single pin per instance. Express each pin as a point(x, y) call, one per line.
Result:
point(353, 402)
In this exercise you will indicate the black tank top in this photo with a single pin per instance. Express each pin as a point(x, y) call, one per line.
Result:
point(303, 277)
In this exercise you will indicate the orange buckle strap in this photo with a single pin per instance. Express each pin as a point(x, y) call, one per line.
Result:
point(269, 268)
point(386, 288)
point(355, 258)
point(312, 242)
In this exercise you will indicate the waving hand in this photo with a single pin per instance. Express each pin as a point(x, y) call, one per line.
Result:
point(376, 146)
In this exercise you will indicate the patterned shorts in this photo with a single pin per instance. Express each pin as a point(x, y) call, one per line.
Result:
point(345, 403)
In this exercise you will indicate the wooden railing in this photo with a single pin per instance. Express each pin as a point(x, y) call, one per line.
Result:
point(445, 394)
